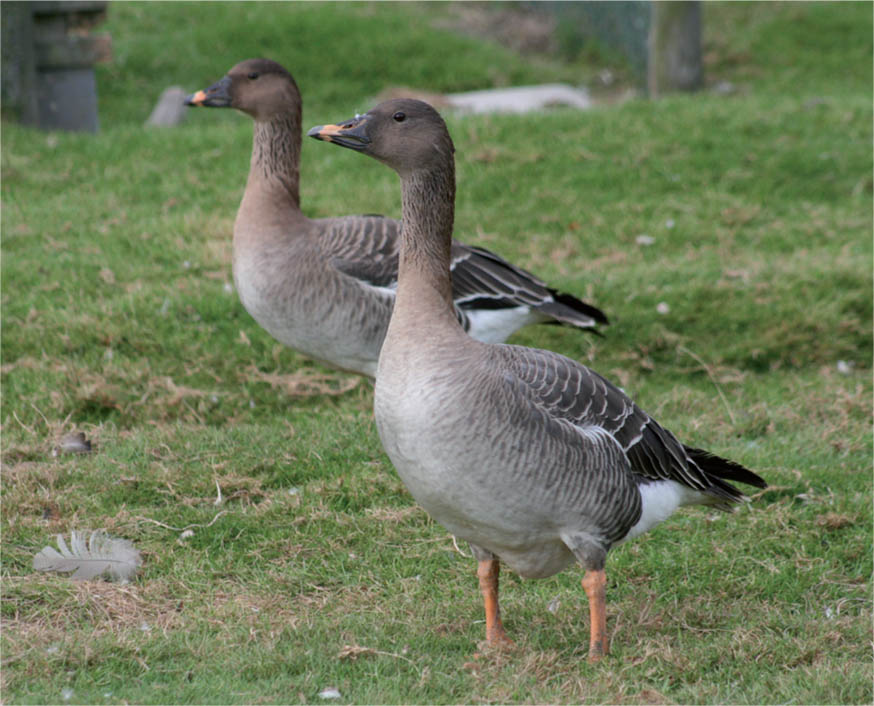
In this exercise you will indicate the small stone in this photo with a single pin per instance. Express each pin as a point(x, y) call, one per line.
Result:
point(74, 443)
point(329, 693)
point(845, 367)
point(644, 239)
point(170, 109)
point(553, 606)
point(66, 693)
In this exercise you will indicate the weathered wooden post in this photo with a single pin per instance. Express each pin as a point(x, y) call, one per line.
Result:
point(18, 67)
point(660, 38)
point(48, 62)
point(674, 47)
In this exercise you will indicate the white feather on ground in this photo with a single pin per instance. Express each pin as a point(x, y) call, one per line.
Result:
point(102, 554)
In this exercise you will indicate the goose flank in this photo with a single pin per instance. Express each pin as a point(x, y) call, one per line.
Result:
point(326, 287)
point(531, 457)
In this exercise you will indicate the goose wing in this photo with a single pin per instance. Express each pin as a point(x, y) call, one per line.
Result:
point(568, 390)
point(481, 279)
point(367, 248)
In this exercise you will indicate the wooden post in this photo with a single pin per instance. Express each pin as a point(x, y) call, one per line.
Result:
point(674, 47)
point(18, 61)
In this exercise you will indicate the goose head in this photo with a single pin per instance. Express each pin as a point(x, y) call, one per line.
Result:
point(259, 87)
point(405, 134)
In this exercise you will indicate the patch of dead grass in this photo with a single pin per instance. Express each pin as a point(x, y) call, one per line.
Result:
point(834, 520)
point(304, 382)
point(393, 515)
point(47, 609)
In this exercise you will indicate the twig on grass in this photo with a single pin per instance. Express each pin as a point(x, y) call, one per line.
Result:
point(182, 529)
point(48, 426)
point(459, 549)
point(23, 425)
point(353, 652)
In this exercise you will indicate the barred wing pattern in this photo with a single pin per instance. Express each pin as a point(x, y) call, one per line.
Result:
point(367, 248)
point(364, 247)
point(568, 390)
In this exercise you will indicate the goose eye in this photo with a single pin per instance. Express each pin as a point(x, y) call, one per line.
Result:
point(399, 117)
point(254, 75)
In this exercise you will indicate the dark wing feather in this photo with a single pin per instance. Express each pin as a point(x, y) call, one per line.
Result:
point(481, 279)
point(570, 391)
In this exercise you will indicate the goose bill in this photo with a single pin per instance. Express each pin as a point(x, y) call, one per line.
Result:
point(347, 134)
point(216, 96)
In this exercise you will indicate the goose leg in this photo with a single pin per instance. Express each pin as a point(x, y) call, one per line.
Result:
point(487, 572)
point(594, 584)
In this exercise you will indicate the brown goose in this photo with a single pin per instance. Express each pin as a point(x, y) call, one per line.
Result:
point(326, 287)
point(533, 458)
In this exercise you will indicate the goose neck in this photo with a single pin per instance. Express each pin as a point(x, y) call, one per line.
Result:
point(428, 210)
point(274, 169)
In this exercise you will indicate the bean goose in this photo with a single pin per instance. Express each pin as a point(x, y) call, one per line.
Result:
point(531, 457)
point(326, 287)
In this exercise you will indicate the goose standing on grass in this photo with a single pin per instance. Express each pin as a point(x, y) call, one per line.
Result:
point(531, 457)
point(326, 287)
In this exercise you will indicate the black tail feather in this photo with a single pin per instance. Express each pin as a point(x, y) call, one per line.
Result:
point(721, 469)
point(570, 301)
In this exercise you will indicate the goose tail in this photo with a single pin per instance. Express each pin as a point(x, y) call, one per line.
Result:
point(719, 471)
point(567, 309)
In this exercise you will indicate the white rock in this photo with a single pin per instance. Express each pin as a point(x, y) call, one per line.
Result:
point(520, 99)
point(553, 606)
point(845, 367)
point(170, 108)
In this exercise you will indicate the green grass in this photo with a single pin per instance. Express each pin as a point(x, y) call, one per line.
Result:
point(117, 321)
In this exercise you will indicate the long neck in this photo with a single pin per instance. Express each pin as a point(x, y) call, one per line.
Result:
point(274, 172)
point(428, 210)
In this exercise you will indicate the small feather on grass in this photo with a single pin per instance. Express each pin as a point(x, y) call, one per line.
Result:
point(102, 555)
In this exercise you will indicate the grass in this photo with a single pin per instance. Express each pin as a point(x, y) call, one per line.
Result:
point(317, 569)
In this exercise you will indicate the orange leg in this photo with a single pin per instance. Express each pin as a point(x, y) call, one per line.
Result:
point(488, 571)
point(594, 584)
